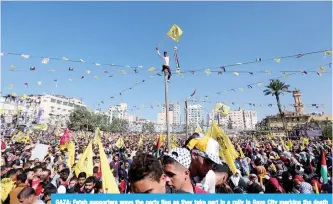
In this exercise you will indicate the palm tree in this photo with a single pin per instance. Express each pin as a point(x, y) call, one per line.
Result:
point(276, 88)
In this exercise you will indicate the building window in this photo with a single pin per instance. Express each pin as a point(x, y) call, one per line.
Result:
point(65, 103)
point(53, 100)
point(59, 102)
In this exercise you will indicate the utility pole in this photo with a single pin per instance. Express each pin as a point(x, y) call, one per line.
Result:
point(167, 108)
point(186, 118)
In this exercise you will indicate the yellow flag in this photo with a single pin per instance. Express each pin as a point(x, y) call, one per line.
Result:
point(290, 144)
point(175, 32)
point(316, 188)
point(240, 152)
point(140, 142)
point(120, 143)
point(109, 184)
point(71, 154)
point(7, 185)
point(174, 142)
point(85, 163)
point(227, 150)
point(285, 147)
point(42, 127)
point(222, 109)
point(198, 129)
point(255, 142)
point(271, 136)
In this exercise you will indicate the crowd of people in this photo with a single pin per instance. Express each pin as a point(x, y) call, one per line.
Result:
point(193, 165)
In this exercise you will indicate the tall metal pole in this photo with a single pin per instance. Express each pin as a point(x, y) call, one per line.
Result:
point(167, 108)
point(186, 118)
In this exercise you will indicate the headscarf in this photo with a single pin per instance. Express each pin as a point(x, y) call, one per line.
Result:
point(306, 188)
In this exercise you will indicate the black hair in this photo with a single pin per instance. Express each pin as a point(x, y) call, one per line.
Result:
point(193, 136)
point(28, 170)
point(145, 166)
point(36, 168)
point(65, 171)
point(95, 169)
point(26, 192)
point(82, 175)
point(90, 179)
point(50, 190)
point(22, 178)
point(11, 172)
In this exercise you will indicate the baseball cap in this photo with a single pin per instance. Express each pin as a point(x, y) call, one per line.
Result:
point(209, 148)
point(181, 155)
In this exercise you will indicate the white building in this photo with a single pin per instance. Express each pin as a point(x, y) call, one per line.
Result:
point(118, 111)
point(161, 118)
point(55, 109)
point(175, 108)
point(195, 114)
point(11, 106)
point(240, 119)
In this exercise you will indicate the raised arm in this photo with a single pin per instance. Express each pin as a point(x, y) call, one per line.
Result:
point(158, 52)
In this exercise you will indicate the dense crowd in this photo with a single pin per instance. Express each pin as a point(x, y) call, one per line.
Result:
point(193, 165)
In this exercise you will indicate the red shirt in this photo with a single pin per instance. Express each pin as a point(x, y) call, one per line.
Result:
point(198, 190)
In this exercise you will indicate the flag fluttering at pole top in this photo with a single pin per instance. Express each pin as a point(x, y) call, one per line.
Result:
point(175, 32)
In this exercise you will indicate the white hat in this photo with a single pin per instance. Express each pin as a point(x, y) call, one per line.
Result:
point(181, 155)
point(209, 148)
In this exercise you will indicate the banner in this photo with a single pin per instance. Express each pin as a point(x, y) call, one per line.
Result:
point(192, 199)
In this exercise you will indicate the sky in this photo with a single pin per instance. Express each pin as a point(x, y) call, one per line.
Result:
point(127, 33)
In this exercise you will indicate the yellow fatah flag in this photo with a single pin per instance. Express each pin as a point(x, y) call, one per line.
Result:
point(227, 150)
point(240, 152)
point(140, 142)
point(271, 136)
point(222, 109)
point(7, 185)
point(85, 163)
point(109, 184)
point(175, 32)
point(71, 154)
point(120, 142)
point(40, 127)
point(273, 143)
point(290, 144)
point(285, 147)
point(162, 139)
point(174, 142)
point(198, 129)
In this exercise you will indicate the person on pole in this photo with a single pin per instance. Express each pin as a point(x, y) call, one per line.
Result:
point(166, 61)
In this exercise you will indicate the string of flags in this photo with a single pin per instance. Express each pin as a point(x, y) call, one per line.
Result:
point(46, 60)
point(286, 74)
point(253, 105)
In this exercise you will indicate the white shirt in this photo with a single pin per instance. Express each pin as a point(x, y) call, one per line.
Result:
point(209, 182)
point(166, 59)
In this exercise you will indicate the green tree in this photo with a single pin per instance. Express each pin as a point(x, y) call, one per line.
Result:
point(327, 131)
point(81, 119)
point(277, 88)
point(119, 125)
point(148, 127)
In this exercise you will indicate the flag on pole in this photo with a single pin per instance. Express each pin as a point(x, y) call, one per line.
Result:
point(85, 164)
point(158, 146)
point(323, 169)
point(175, 32)
point(108, 181)
point(140, 142)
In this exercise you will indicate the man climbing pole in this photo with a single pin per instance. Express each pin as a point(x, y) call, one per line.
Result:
point(166, 61)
